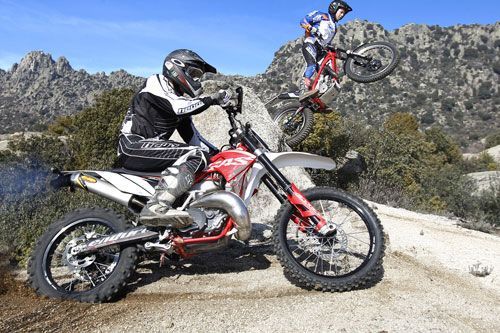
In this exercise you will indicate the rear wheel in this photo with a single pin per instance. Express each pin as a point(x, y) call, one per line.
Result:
point(349, 259)
point(383, 59)
point(55, 271)
point(296, 126)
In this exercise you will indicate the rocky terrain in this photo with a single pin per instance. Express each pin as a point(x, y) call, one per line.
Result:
point(427, 286)
point(38, 89)
point(447, 77)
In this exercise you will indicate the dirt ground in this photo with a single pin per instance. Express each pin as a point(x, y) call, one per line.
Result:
point(426, 286)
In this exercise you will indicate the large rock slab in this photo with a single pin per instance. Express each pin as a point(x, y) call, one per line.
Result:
point(485, 180)
point(214, 125)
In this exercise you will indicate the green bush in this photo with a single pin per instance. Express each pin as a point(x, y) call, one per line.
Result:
point(95, 136)
point(489, 205)
point(470, 53)
point(484, 162)
point(484, 90)
point(27, 206)
point(447, 105)
point(493, 140)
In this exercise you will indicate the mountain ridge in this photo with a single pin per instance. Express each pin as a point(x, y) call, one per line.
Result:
point(448, 76)
point(38, 89)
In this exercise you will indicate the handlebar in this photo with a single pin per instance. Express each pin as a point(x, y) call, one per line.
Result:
point(234, 110)
point(239, 91)
point(239, 132)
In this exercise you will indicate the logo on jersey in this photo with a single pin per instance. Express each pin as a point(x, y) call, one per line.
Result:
point(191, 107)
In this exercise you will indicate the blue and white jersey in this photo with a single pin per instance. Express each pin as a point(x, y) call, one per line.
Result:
point(325, 25)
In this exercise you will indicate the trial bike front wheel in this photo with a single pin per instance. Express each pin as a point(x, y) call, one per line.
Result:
point(351, 258)
point(371, 62)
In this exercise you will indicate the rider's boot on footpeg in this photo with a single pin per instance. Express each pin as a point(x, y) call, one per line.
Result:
point(158, 211)
point(305, 86)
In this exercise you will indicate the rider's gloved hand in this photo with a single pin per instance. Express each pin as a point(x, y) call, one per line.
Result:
point(316, 32)
point(225, 98)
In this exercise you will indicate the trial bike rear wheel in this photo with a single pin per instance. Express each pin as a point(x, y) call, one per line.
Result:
point(296, 126)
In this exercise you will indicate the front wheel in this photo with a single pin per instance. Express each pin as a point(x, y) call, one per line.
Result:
point(296, 125)
point(55, 271)
point(378, 59)
point(351, 258)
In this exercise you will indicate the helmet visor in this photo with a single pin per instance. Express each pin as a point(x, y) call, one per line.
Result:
point(194, 73)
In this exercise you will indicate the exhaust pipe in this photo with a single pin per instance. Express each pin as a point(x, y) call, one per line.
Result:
point(224, 200)
point(233, 205)
point(100, 187)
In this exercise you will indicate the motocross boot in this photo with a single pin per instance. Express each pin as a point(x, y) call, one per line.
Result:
point(305, 86)
point(174, 182)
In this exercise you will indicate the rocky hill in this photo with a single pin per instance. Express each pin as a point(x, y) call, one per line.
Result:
point(447, 76)
point(38, 89)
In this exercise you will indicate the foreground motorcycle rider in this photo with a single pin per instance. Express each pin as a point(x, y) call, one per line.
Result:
point(164, 104)
point(320, 28)
point(324, 238)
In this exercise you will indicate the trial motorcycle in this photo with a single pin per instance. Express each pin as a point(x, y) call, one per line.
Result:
point(324, 238)
point(293, 112)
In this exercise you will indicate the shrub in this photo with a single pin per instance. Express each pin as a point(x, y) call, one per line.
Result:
point(489, 205)
point(94, 142)
point(453, 190)
point(468, 105)
point(447, 104)
point(27, 207)
point(483, 162)
point(493, 140)
point(470, 53)
point(484, 115)
point(397, 155)
point(484, 90)
point(428, 118)
point(445, 150)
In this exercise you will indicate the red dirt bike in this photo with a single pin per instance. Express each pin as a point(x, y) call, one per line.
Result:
point(324, 238)
point(367, 63)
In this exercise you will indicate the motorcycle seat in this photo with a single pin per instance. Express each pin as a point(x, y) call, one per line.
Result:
point(310, 94)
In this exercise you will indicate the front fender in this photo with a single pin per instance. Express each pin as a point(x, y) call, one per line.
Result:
point(283, 160)
point(304, 160)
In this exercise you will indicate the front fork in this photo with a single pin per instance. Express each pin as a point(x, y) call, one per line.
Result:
point(308, 214)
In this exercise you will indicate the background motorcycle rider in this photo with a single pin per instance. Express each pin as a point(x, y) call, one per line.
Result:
point(165, 103)
point(320, 31)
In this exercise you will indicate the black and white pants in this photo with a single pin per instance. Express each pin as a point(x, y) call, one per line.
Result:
point(156, 155)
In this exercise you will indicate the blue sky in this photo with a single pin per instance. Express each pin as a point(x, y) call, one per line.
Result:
point(237, 37)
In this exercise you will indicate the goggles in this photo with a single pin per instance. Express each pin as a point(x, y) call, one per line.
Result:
point(194, 73)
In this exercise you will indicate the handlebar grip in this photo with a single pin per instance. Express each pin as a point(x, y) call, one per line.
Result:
point(239, 91)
